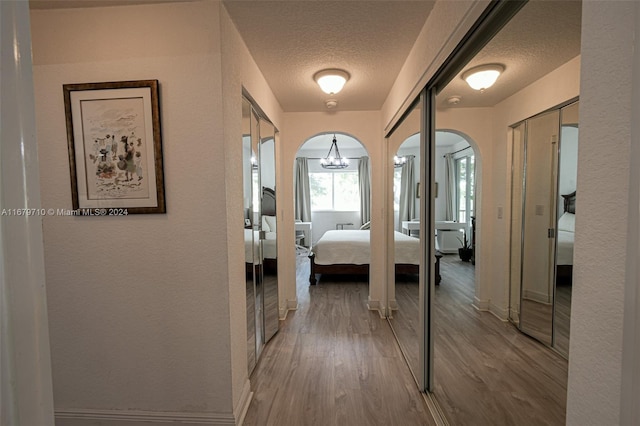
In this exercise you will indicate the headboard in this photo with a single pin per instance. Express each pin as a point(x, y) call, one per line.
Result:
point(570, 202)
point(268, 201)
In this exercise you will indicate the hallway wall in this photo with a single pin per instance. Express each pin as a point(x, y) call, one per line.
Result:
point(140, 306)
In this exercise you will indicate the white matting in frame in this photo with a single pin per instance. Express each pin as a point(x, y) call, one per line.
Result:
point(115, 147)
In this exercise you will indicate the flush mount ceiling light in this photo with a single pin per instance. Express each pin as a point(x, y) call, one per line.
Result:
point(331, 81)
point(483, 76)
point(454, 100)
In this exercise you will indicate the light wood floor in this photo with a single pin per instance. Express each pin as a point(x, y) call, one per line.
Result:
point(334, 362)
point(486, 371)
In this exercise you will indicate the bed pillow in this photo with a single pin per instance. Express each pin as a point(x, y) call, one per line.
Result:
point(567, 222)
point(265, 224)
point(271, 222)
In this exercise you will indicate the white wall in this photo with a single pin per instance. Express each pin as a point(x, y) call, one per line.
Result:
point(600, 254)
point(147, 312)
point(133, 301)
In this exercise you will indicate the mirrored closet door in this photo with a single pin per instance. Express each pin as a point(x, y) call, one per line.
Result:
point(260, 230)
point(409, 231)
point(543, 213)
point(269, 234)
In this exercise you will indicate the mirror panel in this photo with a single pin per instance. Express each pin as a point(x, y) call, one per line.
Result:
point(268, 235)
point(260, 230)
point(404, 278)
point(517, 202)
point(567, 177)
point(538, 248)
point(257, 228)
point(250, 244)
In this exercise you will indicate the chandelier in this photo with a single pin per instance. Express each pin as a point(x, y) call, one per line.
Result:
point(399, 161)
point(334, 161)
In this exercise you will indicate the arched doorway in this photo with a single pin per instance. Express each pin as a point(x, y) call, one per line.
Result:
point(331, 194)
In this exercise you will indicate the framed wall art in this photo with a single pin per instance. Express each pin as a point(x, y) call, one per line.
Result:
point(115, 147)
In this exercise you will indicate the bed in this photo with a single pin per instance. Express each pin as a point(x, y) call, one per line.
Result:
point(269, 244)
point(565, 239)
point(348, 252)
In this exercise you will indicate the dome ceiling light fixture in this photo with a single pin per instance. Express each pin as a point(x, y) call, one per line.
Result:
point(331, 81)
point(482, 77)
point(454, 100)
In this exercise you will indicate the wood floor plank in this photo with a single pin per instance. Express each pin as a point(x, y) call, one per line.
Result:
point(486, 371)
point(334, 362)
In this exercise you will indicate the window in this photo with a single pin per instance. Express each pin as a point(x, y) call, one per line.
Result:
point(397, 184)
point(335, 191)
point(465, 176)
point(255, 181)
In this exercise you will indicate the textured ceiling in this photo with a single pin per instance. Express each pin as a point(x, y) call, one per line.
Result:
point(540, 38)
point(292, 40)
point(69, 4)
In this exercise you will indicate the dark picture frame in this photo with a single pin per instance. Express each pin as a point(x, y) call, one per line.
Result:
point(115, 147)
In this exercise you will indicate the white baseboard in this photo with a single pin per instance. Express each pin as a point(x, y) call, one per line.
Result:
point(85, 417)
point(393, 305)
point(488, 306)
point(500, 312)
point(291, 305)
point(514, 315)
point(481, 305)
point(536, 296)
point(240, 410)
point(375, 305)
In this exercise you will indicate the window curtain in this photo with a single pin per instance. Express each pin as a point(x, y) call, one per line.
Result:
point(302, 191)
point(407, 191)
point(450, 187)
point(364, 179)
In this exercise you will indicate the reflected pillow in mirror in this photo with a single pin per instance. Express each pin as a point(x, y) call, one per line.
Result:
point(567, 222)
point(271, 222)
point(265, 224)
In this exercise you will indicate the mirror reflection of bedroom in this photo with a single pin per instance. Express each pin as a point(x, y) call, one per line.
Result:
point(260, 231)
point(404, 282)
point(332, 210)
point(478, 346)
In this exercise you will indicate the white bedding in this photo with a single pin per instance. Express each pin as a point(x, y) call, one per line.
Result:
point(564, 251)
point(269, 247)
point(566, 235)
point(352, 247)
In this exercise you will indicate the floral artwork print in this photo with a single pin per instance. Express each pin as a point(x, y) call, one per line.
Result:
point(115, 148)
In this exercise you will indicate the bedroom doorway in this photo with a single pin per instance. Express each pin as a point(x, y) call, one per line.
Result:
point(331, 194)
